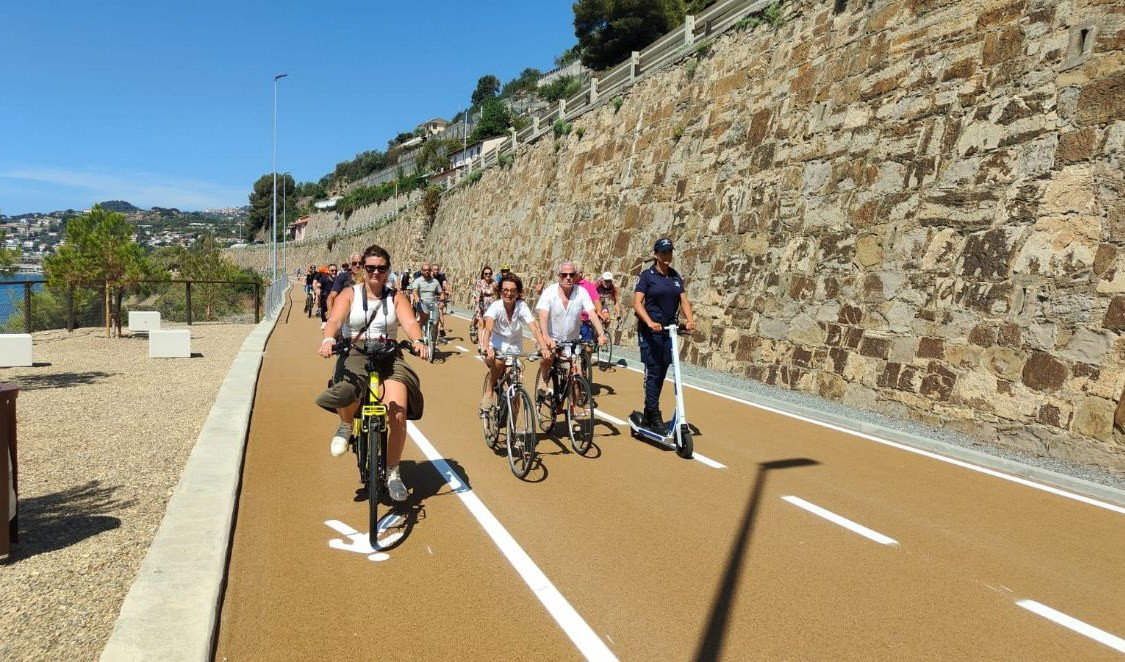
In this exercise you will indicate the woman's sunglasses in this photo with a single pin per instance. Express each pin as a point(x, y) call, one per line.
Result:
point(372, 268)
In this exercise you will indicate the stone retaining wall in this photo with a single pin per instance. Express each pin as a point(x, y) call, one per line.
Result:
point(910, 207)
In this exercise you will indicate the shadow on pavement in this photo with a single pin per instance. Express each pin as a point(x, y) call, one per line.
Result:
point(711, 646)
point(57, 521)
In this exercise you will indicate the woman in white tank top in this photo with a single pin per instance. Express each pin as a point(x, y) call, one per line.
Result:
point(387, 309)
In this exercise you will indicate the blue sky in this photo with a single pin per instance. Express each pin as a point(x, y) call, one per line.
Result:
point(170, 103)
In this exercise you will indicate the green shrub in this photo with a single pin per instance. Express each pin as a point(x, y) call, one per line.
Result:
point(702, 47)
point(690, 67)
point(677, 133)
point(561, 128)
point(580, 131)
point(617, 101)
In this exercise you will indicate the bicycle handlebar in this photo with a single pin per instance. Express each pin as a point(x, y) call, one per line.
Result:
point(371, 347)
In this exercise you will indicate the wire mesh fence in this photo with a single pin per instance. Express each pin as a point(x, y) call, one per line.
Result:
point(33, 305)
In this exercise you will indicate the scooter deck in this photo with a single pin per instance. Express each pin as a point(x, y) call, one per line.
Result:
point(641, 432)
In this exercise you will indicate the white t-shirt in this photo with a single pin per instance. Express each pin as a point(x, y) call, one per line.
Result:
point(507, 334)
point(564, 323)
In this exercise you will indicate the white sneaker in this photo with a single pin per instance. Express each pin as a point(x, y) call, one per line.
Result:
point(394, 485)
point(340, 440)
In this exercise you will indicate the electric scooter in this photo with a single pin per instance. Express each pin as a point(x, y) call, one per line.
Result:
point(677, 436)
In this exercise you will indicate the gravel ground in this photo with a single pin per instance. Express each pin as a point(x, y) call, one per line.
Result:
point(104, 432)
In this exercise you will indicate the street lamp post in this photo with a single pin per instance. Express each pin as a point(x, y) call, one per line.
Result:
point(273, 227)
point(284, 225)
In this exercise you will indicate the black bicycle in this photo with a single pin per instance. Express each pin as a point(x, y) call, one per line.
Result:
point(570, 392)
point(308, 303)
point(513, 414)
point(371, 425)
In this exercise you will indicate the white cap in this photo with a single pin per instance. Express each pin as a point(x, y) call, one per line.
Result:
point(607, 276)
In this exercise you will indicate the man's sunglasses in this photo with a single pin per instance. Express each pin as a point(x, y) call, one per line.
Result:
point(567, 274)
point(372, 268)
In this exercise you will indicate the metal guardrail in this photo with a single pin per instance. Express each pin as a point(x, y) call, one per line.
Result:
point(275, 297)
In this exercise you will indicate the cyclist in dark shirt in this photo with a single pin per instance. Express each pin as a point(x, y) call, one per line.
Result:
point(657, 299)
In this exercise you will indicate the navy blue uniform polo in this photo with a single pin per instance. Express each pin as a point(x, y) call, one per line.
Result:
point(662, 293)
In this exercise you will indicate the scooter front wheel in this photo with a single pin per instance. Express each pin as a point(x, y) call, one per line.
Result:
point(685, 446)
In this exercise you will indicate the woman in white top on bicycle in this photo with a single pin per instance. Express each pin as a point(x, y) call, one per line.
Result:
point(402, 393)
point(504, 322)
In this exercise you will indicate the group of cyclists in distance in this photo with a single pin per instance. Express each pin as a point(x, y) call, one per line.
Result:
point(364, 300)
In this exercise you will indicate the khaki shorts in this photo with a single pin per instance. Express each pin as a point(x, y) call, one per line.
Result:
point(354, 385)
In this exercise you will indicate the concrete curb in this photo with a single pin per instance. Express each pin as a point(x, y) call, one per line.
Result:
point(171, 611)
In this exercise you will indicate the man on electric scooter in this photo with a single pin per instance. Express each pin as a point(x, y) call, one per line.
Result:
point(657, 299)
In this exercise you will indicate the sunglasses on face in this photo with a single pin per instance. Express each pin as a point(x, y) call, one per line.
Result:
point(567, 274)
point(376, 268)
point(508, 290)
point(488, 273)
point(355, 264)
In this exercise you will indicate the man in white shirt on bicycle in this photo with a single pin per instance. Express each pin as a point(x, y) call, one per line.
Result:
point(560, 311)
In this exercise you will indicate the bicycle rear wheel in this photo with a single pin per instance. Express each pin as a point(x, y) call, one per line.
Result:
point(544, 407)
point(521, 433)
point(580, 414)
point(488, 421)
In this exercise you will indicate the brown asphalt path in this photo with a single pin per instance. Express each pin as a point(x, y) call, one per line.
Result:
point(662, 557)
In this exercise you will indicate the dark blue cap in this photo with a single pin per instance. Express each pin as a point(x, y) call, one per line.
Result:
point(662, 245)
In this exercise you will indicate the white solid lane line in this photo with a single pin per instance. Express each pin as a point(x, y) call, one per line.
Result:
point(588, 642)
point(1071, 623)
point(917, 451)
point(698, 456)
point(842, 521)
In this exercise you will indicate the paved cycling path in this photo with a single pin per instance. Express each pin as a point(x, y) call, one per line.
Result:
point(796, 541)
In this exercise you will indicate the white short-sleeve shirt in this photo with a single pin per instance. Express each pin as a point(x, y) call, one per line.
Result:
point(507, 332)
point(564, 323)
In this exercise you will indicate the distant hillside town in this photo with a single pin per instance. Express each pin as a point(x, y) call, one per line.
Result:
point(38, 234)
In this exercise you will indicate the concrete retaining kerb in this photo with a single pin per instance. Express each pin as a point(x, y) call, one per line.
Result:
point(171, 612)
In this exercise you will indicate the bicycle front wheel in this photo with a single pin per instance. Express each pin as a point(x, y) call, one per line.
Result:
point(431, 336)
point(521, 433)
point(580, 414)
point(376, 465)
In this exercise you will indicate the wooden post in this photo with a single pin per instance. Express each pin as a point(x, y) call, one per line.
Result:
point(9, 533)
point(27, 307)
point(593, 90)
point(257, 302)
point(189, 303)
point(689, 30)
point(535, 125)
point(562, 109)
point(70, 308)
point(634, 65)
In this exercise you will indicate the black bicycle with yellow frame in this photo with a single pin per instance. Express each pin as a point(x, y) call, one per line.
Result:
point(371, 425)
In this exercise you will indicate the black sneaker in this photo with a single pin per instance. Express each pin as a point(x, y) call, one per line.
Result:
point(654, 421)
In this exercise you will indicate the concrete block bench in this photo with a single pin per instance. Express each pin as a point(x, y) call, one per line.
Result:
point(15, 350)
point(169, 344)
point(143, 320)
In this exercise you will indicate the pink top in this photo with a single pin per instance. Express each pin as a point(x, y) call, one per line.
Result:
point(592, 290)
